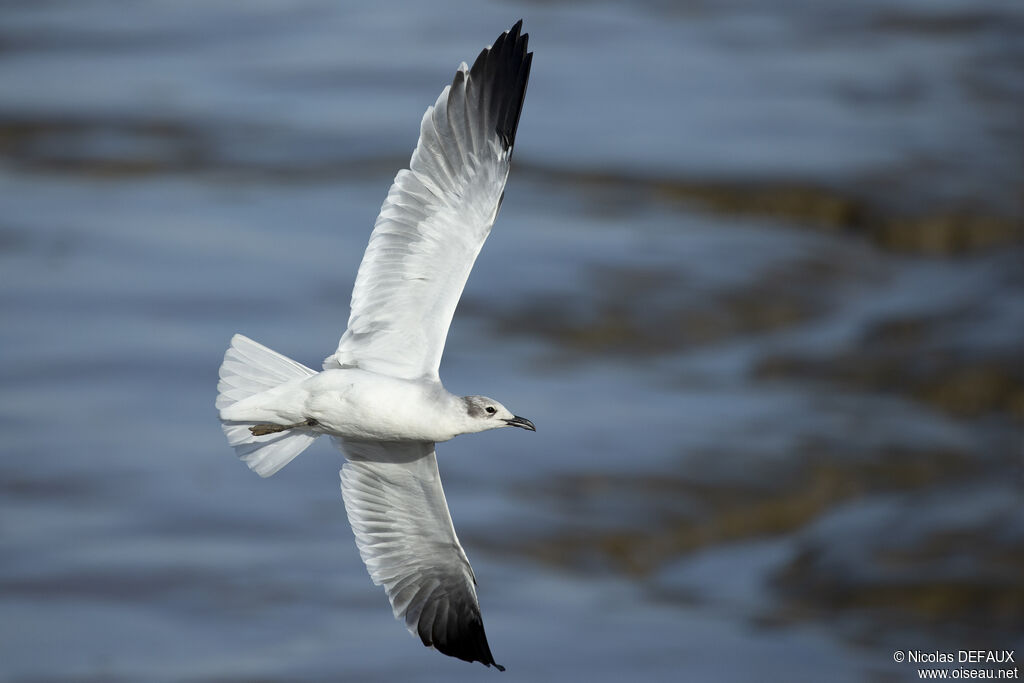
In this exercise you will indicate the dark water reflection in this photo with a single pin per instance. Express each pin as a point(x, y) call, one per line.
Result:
point(757, 280)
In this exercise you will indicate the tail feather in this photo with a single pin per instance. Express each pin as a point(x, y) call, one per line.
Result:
point(249, 369)
point(265, 455)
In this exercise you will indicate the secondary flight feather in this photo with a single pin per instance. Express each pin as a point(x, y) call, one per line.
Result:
point(379, 395)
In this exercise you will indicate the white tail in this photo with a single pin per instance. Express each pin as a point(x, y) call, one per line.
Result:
point(249, 369)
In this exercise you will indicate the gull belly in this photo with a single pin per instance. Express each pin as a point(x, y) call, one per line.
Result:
point(356, 404)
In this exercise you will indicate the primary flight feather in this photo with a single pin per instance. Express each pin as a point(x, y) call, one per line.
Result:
point(379, 395)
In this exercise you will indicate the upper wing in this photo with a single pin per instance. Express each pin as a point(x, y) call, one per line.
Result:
point(400, 519)
point(436, 217)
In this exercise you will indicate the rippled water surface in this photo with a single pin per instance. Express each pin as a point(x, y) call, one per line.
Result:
point(757, 280)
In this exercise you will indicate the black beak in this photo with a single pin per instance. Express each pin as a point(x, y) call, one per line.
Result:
point(521, 422)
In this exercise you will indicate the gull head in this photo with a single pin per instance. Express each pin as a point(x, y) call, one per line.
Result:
point(484, 413)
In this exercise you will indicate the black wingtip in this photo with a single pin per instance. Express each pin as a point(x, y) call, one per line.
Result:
point(457, 630)
point(517, 64)
point(503, 71)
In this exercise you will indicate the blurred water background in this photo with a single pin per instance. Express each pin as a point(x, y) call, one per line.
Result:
point(758, 281)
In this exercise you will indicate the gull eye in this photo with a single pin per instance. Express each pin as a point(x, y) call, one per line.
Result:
point(490, 410)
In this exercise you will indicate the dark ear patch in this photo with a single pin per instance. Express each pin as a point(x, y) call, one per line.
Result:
point(473, 407)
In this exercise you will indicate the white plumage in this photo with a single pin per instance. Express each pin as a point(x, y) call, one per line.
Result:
point(427, 236)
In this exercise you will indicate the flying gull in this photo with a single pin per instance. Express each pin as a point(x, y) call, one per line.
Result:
point(379, 396)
